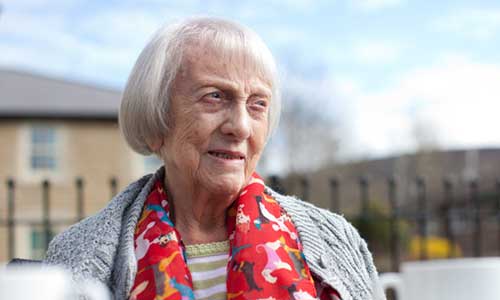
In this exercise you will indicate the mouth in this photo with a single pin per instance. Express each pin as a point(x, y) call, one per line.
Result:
point(227, 155)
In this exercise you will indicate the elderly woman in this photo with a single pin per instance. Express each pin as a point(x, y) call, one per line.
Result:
point(203, 96)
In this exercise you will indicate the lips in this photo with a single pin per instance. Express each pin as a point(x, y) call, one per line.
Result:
point(225, 154)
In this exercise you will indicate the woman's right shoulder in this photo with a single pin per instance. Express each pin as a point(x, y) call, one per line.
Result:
point(79, 245)
point(92, 242)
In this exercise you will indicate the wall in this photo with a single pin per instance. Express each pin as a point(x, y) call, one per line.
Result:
point(92, 150)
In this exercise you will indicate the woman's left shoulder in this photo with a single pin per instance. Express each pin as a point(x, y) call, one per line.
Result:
point(334, 248)
point(307, 214)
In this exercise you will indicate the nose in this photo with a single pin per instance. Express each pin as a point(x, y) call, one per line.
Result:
point(237, 123)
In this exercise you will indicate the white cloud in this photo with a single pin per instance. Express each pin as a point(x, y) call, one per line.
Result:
point(55, 36)
point(376, 52)
point(101, 46)
point(456, 99)
point(283, 36)
point(365, 52)
point(475, 23)
point(38, 40)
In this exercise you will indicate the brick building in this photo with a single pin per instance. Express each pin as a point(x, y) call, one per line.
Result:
point(56, 130)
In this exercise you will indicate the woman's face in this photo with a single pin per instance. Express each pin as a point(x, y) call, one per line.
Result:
point(219, 111)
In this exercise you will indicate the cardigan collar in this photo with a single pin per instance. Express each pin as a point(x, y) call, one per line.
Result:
point(124, 265)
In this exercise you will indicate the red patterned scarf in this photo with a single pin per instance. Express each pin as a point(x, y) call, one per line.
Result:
point(265, 259)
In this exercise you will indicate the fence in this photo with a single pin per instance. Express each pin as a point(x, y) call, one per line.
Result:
point(47, 221)
point(470, 210)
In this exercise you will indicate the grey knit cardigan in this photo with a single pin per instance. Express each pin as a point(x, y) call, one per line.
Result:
point(101, 247)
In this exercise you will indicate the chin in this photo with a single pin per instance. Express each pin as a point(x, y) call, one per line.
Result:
point(227, 183)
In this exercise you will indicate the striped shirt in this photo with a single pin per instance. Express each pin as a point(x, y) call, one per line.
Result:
point(208, 264)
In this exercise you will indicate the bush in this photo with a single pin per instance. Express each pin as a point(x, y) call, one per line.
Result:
point(375, 228)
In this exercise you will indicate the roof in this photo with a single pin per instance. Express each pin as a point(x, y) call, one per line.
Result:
point(27, 95)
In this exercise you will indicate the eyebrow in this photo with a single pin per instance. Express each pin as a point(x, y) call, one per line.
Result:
point(226, 84)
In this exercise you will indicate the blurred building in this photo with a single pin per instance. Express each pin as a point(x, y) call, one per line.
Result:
point(459, 167)
point(467, 209)
point(55, 130)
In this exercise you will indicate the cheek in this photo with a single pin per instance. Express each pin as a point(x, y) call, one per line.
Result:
point(258, 142)
point(184, 145)
point(260, 135)
point(189, 134)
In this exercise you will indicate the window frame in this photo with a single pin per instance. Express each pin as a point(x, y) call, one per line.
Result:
point(26, 170)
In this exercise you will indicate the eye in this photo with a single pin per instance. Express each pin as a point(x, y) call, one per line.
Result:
point(259, 104)
point(215, 96)
point(262, 103)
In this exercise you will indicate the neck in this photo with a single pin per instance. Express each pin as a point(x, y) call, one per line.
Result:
point(198, 215)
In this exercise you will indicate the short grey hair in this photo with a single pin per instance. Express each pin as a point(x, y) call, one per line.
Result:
point(144, 117)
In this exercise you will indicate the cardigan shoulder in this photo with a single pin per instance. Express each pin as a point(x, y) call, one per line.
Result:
point(334, 250)
point(101, 246)
point(87, 248)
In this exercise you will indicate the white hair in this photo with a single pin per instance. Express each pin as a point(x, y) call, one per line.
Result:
point(144, 117)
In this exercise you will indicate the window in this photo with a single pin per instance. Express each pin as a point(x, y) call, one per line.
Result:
point(151, 164)
point(43, 154)
point(37, 241)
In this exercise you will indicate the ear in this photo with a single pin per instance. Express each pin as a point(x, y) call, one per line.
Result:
point(155, 145)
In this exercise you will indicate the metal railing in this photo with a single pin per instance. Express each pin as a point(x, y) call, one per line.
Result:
point(468, 208)
point(47, 221)
point(471, 208)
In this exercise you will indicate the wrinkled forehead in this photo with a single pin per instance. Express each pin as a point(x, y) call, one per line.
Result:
point(231, 49)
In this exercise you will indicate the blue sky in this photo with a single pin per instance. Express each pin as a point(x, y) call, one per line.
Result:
point(385, 70)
